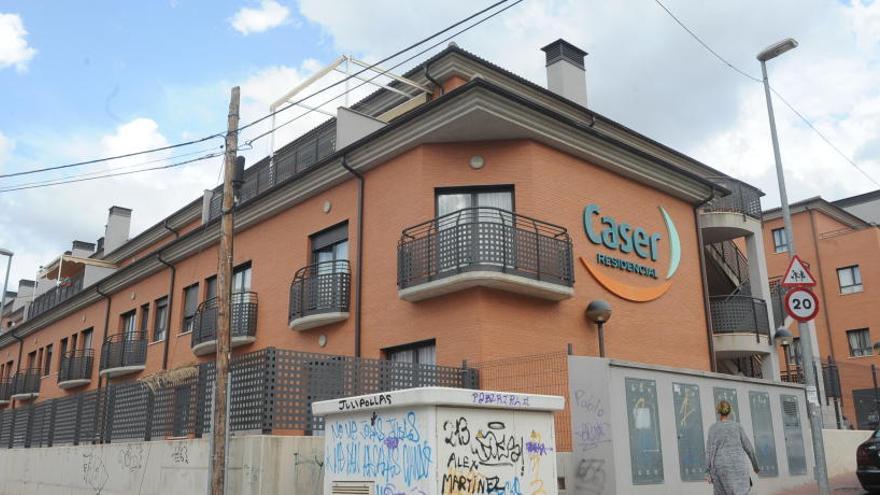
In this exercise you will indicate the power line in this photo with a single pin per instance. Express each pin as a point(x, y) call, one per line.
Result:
point(759, 80)
point(444, 40)
point(116, 174)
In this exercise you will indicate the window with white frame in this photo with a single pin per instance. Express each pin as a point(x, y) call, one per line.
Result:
point(780, 241)
point(417, 353)
point(850, 279)
point(859, 342)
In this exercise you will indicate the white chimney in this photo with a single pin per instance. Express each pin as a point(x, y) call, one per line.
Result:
point(566, 75)
point(117, 229)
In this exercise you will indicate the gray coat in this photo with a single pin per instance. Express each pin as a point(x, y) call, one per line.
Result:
point(726, 451)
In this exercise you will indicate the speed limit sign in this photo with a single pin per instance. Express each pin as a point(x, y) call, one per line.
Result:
point(801, 304)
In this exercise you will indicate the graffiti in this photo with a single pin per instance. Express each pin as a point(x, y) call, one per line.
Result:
point(180, 454)
point(131, 457)
point(362, 402)
point(497, 448)
point(536, 449)
point(589, 477)
point(309, 473)
point(94, 471)
point(457, 432)
point(391, 449)
point(390, 489)
point(508, 400)
point(593, 430)
point(251, 474)
point(457, 482)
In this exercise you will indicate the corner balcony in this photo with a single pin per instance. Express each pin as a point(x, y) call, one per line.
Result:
point(740, 325)
point(319, 295)
point(243, 309)
point(26, 384)
point(55, 296)
point(76, 368)
point(735, 215)
point(123, 354)
point(5, 390)
point(485, 247)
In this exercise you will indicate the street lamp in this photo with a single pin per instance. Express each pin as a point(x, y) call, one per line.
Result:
point(810, 380)
point(8, 254)
point(599, 312)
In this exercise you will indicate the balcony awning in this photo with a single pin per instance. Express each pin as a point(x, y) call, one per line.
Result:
point(70, 266)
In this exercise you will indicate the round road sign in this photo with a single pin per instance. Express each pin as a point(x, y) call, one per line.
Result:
point(801, 304)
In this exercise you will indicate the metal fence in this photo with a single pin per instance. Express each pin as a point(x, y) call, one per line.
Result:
point(743, 198)
point(271, 391)
point(320, 288)
point(243, 312)
point(124, 349)
point(739, 314)
point(76, 365)
point(484, 239)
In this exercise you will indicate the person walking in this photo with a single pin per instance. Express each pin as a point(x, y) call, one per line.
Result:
point(726, 450)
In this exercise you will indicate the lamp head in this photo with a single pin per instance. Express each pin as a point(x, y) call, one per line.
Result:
point(5, 252)
point(777, 49)
point(599, 311)
point(783, 337)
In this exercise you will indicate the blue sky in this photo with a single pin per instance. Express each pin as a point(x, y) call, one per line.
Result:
point(81, 80)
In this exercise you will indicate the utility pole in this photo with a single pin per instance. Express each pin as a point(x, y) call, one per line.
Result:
point(224, 295)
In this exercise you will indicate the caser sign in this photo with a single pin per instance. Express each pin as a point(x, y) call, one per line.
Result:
point(620, 237)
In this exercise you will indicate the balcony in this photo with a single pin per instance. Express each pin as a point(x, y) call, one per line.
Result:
point(319, 295)
point(484, 247)
point(5, 390)
point(740, 325)
point(244, 323)
point(76, 368)
point(55, 296)
point(735, 215)
point(123, 354)
point(26, 384)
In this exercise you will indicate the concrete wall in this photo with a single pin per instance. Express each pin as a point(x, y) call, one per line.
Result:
point(257, 465)
point(840, 449)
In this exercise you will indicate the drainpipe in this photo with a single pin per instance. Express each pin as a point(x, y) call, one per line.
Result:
point(713, 365)
point(18, 362)
point(100, 435)
point(360, 256)
point(827, 317)
point(170, 296)
point(433, 81)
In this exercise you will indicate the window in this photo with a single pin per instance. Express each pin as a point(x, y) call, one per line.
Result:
point(418, 353)
point(794, 352)
point(145, 318)
point(780, 241)
point(211, 287)
point(160, 320)
point(62, 348)
point(32, 359)
point(330, 245)
point(850, 279)
point(452, 200)
point(190, 304)
point(47, 361)
point(859, 342)
point(86, 339)
point(241, 278)
point(128, 325)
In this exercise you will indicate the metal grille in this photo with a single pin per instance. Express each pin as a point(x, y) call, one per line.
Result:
point(743, 198)
point(777, 297)
point(76, 365)
point(123, 350)
point(320, 288)
point(56, 295)
point(733, 259)
point(41, 424)
point(26, 382)
point(21, 426)
point(128, 404)
point(5, 389)
point(244, 318)
point(484, 239)
point(739, 314)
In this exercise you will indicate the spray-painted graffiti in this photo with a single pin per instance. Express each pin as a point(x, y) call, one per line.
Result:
point(593, 428)
point(501, 399)
point(180, 454)
point(94, 471)
point(395, 450)
point(131, 457)
point(589, 477)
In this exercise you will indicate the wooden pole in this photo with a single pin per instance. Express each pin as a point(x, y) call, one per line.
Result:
point(224, 294)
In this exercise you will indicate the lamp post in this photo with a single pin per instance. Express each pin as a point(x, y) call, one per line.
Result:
point(8, 254)
point(599, 312)
point(813, 406)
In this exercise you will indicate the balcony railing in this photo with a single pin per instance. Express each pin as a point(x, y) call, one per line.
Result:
point(739, 314)
point(243, 309)
point(76, 367)
point(484, 239)
point(743, 199)
point(48, 300)
point(124, 352)
point(26, 383)
point(320, 289)
point(5, 389)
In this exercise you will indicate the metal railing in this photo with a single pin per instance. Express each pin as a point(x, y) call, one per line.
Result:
point(26, 381)
point(55, 296)
point(777, 298)
point(484, 239)
point(5, 388)
point(76, 365)
point(739, 314)
point(320, 288)
point(124, 349)
point(733, 258)
point(243, 310)
point(743, 198)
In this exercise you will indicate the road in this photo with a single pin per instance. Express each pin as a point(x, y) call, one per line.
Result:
point(844, 484)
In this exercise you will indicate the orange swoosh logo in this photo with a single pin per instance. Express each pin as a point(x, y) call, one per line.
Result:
point(628, 292)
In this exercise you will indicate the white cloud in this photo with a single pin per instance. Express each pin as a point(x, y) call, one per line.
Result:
point(270, 14)
point(14, 49)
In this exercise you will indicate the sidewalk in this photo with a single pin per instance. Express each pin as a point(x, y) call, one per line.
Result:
point(843, 484)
